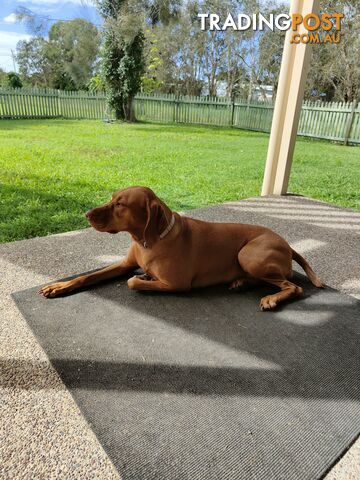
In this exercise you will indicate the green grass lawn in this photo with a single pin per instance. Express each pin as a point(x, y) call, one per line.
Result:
point(52, 171)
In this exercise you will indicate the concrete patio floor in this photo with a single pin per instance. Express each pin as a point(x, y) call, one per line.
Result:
point(42, 432)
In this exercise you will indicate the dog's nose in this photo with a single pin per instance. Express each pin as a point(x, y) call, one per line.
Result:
point(88, 214)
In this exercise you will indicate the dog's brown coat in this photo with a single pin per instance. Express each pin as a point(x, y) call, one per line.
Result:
point(193, 254)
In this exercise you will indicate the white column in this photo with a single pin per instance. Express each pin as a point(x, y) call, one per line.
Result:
point(293, 73)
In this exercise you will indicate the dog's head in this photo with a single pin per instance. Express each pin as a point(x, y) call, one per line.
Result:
point(136, 210)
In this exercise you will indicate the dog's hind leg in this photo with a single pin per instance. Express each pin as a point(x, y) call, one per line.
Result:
point(270, 260)
point(288, 290)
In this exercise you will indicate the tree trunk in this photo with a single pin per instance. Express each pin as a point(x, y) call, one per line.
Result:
point(124, 110)
point(128, 109)
point(119, 113)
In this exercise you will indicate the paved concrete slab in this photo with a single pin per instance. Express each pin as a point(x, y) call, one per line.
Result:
point(44, 435)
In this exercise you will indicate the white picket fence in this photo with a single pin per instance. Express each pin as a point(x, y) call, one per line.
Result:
point(338, 121)
point(330, 121)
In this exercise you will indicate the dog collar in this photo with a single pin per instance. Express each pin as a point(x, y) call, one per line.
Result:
point(169, 227)
point(165, 232)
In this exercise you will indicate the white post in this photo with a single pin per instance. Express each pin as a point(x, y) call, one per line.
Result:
point(293, 73)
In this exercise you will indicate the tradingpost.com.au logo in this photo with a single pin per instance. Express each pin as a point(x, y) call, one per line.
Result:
point(323, 28)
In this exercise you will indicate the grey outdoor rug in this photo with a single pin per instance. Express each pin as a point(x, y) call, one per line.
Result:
point(203, 385)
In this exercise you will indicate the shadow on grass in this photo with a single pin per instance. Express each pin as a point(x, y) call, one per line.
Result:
point(17, 124)
point(30, 212)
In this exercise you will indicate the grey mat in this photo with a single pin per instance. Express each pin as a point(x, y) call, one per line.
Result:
point(205, 386)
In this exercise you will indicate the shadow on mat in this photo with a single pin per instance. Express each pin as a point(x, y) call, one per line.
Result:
point(312, 343)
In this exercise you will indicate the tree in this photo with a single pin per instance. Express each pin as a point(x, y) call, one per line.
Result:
point(123, 62)
point(66, 60)
point(72, 50)
point(175, 70)
point(195, 61)
point(14, 80)
point(123, 52)
point(271, 46)
point(334, 72)
point(34, 65)
point(3, 78)
point(335, 68)
point(234, 69)
point(186, 41)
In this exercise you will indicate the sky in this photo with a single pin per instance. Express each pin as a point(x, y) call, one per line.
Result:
point(11, 31)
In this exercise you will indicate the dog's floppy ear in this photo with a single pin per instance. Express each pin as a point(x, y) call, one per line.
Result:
point(156, 221)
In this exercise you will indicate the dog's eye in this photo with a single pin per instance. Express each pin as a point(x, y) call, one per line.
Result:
point(120, 204)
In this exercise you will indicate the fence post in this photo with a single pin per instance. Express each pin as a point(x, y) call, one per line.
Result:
point(350, 122)
point(176, 108)
point(232, 111)
point(59, 103)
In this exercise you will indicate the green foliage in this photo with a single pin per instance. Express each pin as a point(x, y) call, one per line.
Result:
point(179, 58)
point(96, 84)
point(150, 81)
point(61, 168)
point(238, 63)
point(72, 50)
point(196, 62)
point(335, 68)
point(150, 84)
point(13, 80)
point(123, 53)
point(334, 72)
point(123, 61)
point(3, 78)
point(122, 69)
point(66, 60)
point(34, 65)
point(271, 45)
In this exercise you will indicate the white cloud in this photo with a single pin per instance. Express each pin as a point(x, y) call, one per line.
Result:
point(8, 41)
point(10, 18)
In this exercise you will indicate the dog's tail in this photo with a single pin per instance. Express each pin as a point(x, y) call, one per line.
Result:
point(315, 280)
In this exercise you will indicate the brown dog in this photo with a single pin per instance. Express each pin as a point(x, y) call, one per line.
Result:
point(179, 253)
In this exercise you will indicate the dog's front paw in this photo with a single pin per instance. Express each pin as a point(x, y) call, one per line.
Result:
point(55, 289)
point(268, 303)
